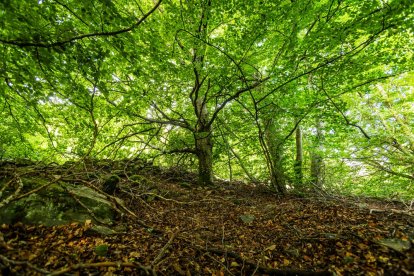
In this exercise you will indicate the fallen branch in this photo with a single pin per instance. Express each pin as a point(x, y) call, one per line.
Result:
point(220, 263)
point(116, 203)
point(183, 202)
point(5, 186)
point(145, 269)
point(262, 269)
point(16, 193)
point(394, 211)
point(166, 199)
point(164, 249)
point(3, 243)
point(7, 262)
point(91, 213)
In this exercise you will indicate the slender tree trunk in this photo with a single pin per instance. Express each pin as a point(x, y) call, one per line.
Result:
point(316, 170)
point(299, 157)
point(317, 164)
point(277, 174)
point(246, 171)
point(275, 151)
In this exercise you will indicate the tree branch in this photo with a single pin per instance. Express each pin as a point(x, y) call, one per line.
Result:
point(377, 165)
point(97, 34)
point(235, 96)
point(72, 12)
point(343, 115)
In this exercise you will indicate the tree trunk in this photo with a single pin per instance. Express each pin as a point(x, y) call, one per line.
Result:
point(299, 157)
point(204, 149)
point(317, 164)
point(204, 144)
point(316, 170)
point(277, 175)
point(275, 151)
point(203, 133)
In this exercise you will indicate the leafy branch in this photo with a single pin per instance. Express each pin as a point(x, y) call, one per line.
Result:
point(20, 43)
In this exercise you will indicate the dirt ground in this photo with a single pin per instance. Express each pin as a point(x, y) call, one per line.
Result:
point(178, 228)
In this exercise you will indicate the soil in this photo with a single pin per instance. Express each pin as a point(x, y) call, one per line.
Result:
point(171, 226)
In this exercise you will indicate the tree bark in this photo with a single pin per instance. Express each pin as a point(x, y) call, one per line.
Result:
point(203, 132)
point(204, 149)
point(317, 164)
point(299, 157)
point(275, 148)
point(204, 145)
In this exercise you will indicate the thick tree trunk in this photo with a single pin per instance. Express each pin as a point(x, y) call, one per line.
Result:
point(204, 144)
point(299, 157)
point(203, 132)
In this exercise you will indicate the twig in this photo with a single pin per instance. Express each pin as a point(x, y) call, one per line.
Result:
point(13, 196)
point(166, 199)
point(262, 269)
point(5, 186)
point(165, 247)
point(7, 261)
point(220, 263)
point(135, 197)
point(3, 243)
point(185, 203)
point(393, 211)
point(115, 201)
point(37, 189)
point(407, 272)
point(86, 208)
point(146, 269)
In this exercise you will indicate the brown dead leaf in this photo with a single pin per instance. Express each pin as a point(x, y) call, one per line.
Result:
point(51, 260)
point(307, 258)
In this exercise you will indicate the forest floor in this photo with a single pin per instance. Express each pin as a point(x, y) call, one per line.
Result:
point(229, 229)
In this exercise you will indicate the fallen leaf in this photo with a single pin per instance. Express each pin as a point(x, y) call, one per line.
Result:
point(307, 258)
point(247, 218)
point(234, 264)
point(134, 254)
point(101, 250)
point(396, 244)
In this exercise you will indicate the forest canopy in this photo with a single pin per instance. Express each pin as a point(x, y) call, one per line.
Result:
point(298, 94)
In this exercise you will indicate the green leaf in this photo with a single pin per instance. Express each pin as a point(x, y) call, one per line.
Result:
point(247, 218)
point(101, 250)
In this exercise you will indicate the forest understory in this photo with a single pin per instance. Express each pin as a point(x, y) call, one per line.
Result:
point(231, 228)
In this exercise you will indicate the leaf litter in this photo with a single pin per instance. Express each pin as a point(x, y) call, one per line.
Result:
point(229, 229)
